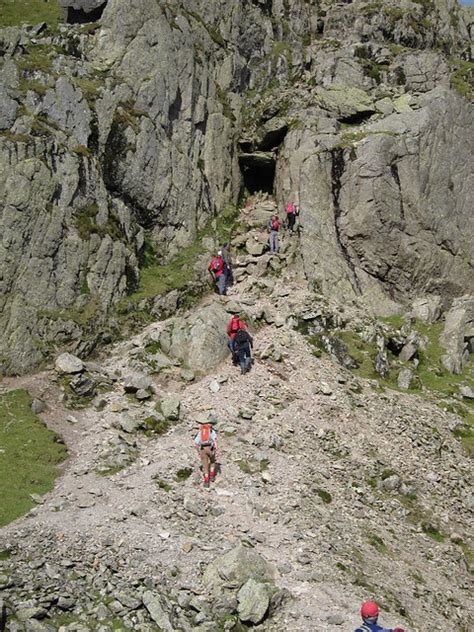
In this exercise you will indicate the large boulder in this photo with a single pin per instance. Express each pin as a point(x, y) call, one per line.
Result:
point(427, 309)
point(68, 363)
point(253, 601)
point(158, 611)
point(235, 568)
point(198, 341)
point(458, 334)
point(345, 102)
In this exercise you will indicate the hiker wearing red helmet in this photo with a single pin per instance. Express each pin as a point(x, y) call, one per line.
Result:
point(370, 613)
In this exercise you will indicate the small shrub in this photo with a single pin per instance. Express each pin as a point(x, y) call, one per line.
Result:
point(161, 484)
point(324, 495)
point(183, 474)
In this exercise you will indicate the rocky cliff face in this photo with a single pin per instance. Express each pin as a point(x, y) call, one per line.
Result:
point(136, 131)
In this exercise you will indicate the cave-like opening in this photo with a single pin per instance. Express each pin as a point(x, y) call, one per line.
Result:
point(258, 172)
point(79, 16)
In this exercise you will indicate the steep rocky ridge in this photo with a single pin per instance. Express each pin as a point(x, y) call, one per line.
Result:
point(126, 134)
point(332, 488)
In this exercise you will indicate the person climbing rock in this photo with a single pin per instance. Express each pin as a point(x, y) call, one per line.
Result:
point(370, 613)
point(273, 227)
point(216, 270)
point(206, 447)
point(227, 259)
point(290, 216)
point(242, 343)
point(233, 326)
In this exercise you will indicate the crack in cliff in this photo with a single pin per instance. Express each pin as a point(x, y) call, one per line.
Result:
point(337, 169)
point(396, 177)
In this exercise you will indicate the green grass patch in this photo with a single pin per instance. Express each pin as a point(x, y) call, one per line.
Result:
point(462, 77)
point(244, 466)
point(18, 12)
point(161, 484)
point(37, 57)
point(90, 88)
point(29, 455)
point(154, 426)
point(4, 555)
point(86, 217)
point(157, 279)
point(153, 347)
point(324, 495)
point(432, 532)
point(377, 542)
point(183, 474)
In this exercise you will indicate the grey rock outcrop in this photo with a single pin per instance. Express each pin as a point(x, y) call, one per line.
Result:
point(458, 334)
point(372, 218)
point(199, 341)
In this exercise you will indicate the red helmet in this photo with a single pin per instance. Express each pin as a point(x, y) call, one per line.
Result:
point(369, 609)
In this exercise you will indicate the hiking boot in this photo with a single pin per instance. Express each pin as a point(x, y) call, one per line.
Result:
point(206, 483)
point(212, 477)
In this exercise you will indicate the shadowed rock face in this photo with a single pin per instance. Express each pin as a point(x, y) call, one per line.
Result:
point(151, 125)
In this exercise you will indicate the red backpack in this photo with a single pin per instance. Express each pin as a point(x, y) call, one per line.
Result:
point(217, 264)
point(235, 325)
point(205, 434)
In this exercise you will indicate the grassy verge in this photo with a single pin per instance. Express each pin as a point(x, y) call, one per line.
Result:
point(158, 279)
point(29, 455)
point(17, 12)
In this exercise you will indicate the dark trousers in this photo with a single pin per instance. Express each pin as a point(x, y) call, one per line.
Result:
point(291, 218)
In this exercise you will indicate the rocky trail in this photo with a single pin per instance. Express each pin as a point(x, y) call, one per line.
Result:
point(336, 484)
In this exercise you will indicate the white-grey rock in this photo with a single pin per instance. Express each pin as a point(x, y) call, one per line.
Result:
point(68, 363)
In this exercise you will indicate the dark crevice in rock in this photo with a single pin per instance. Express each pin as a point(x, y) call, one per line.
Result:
point(258, 171)
point(357, 118)
point(174, 110)
point(79, 16)
point(273, 138)
point(266, 6)
point(337, 169)
point(396, 177)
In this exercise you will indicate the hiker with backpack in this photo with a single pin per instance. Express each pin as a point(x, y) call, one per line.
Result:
point(290, 216)
point(232, 328)
point(206, 447)
point(242, 343)
point(216, 270)
point(227, 259)
point(273, 227)
point(370, 613)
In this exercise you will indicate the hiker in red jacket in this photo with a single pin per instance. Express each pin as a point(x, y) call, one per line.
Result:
point(273, 227)
point(206, 447)
point(290, 216)
point(216, 270)
point(232, 328)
